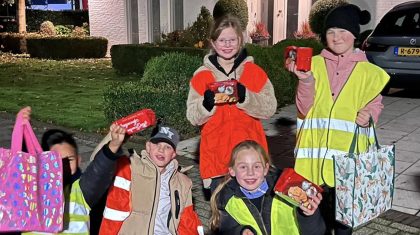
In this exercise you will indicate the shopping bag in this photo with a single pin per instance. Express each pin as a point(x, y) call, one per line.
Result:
point(364, 183)
point(31, 184)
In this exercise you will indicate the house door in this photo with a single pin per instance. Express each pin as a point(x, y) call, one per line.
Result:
point(279, 20)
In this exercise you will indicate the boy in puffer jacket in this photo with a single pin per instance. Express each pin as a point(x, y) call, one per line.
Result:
point(149, 195)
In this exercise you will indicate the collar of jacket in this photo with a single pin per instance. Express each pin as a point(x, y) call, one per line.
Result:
point(210, 63)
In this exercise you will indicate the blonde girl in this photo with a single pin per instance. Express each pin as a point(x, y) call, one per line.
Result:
point(245, 202)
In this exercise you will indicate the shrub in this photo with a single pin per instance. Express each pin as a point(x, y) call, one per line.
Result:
point(164, 88)
point(260, 32)
point(319, 11)
point(177, 38)
point(131, 58)
point(236, 8)
point(35, 17)
point(171, 71)
point(67, 47)
point(201, 28)
point(13, 42)
point(62, 30)
point(47, 28)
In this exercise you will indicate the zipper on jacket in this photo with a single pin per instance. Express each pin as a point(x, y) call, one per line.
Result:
point(259, 214)
point(176, 201)
point(154, 200)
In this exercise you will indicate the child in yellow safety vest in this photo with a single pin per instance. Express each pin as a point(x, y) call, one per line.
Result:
point(246, 203)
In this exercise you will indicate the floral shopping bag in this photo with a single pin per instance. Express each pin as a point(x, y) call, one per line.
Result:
point(31, 185)
point(364, 184)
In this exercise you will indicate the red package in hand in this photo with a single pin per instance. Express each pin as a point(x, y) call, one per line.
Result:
point(301, 55)
point(224, 91)
point(137, 121)
point(295, 189)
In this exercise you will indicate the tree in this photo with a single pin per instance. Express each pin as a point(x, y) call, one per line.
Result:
point(21, 16)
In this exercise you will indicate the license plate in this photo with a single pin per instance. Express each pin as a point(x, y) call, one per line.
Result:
point(407, 51)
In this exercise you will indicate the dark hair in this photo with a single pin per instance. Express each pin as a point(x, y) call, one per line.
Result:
point(56, 136)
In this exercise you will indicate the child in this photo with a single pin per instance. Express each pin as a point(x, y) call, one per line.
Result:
point(225, 125)
point(80, 191)
point(341, 92)
point(247, 204)
point(149, 195)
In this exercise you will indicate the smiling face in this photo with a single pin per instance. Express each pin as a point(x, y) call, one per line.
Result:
point(340, 41)
point(227, 44)
point(160, 153)
point(249, 169)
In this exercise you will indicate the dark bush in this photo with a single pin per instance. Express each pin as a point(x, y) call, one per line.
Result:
point(131, 58)
point(236, 8)
point(13, 42)
point(67, 47)
point(319, 11)
point(163, 89)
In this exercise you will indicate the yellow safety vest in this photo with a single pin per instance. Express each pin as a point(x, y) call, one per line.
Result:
point(76, 212)
point(329, 127)
point(283, 216)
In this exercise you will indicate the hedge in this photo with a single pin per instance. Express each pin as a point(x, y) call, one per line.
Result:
point(131, 58)
point(67, 47)
point(163, 89)
point(13, 42)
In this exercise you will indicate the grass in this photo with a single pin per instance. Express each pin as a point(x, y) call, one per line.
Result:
point(66, 93)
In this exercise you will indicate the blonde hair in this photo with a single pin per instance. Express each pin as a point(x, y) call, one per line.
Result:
point(227, 21)
point(244, 145)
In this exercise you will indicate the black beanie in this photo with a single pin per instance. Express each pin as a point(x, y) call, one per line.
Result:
point(348, 17)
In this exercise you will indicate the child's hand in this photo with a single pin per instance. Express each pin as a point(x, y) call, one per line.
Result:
point(247, 232)
point(301, 75)
point(314, 203)
point(117, 137)
point(26, 113)
point(363, 117)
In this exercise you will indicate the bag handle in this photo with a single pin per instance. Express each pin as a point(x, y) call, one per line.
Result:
point(354, 145)
point(23, 130)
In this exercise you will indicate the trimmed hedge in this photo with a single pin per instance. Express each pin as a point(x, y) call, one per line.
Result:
point(13, 42)
point(132, 58)
point(67, 47)
point(163, 89)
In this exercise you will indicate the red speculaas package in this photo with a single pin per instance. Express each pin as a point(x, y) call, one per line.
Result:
point(295, 189)
point(137, 121)
point(301, 55)
point(224, 91)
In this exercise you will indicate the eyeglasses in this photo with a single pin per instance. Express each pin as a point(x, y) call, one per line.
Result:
point(225, 42)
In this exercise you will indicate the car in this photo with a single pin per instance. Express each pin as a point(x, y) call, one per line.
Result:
point(394, 45)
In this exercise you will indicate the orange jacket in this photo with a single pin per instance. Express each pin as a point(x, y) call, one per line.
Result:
point(119, 205)
point(229, 124)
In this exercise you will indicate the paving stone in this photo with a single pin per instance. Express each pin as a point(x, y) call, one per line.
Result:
point(365, 231)
point(382, 228)
point(405, 228)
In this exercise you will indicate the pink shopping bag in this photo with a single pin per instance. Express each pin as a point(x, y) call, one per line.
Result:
point(31, 184)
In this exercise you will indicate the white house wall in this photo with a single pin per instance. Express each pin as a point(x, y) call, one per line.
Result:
point(108, 19)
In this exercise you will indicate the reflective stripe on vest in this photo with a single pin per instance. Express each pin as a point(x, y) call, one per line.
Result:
point(283, 217)
point(329, 126)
